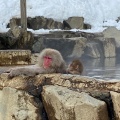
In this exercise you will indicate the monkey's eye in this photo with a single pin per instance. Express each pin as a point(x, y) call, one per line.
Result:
point(47, 57)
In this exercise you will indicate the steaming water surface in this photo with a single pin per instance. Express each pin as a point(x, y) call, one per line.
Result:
point(106, 69)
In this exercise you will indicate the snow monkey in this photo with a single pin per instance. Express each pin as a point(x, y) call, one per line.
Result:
point(75, 67)
point(49, 61)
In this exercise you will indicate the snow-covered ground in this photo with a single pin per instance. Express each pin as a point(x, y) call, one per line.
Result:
point(93, 11)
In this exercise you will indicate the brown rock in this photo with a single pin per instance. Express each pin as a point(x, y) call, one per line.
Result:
point(116, 103)
point(112, 32)
point(18, 105)
point(109, 47)
point(63, 104)
point(74, 22)
point(15, 57)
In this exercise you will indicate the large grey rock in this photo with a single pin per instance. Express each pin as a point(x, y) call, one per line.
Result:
point(69, 47)
point(109, 62)
point(75, 82)
point(98, 87)
point(116, 103)
point(17, 21)
point(112, 32)
point(78, 49)
point(41, 22)
point(63, 104)
point(14, 28)
point(98, 46)
point(94, 49)
point(10, 38)
point(109, 46)
point(74, 22)
point(15, 38)
point(87, 26)
point(18, 105)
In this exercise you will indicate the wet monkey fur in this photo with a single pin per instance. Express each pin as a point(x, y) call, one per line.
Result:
point(75, 67)
point(49, 61)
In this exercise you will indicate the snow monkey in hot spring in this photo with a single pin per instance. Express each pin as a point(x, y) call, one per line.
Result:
point(75, 67)
point(49, 61)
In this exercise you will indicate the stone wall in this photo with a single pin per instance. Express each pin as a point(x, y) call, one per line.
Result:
point(77, 44)
point(15, 57)
point(58, 96)
point(39, 22)
point(70, 44)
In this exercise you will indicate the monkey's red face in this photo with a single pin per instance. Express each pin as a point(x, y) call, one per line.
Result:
point(47, 62)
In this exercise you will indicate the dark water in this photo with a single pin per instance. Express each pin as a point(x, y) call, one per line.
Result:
point(106, 69)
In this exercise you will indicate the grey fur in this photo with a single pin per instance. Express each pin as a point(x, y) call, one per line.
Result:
point(57, 66)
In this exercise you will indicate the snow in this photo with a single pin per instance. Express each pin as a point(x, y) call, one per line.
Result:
point(98, 13)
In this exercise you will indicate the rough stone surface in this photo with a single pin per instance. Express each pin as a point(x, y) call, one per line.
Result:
point(110, 62)
point(74, 22)
point(49, 23)
point(69, 47)
point(95, 45)
point(64, 104)
point(39, 22)
point(116, 103)
point(34, 58)
point(65, 34)
point(109, 47)
point(79, 47)
point(112, 32)
point(97, 88)
point(94, 49)
point(15, 57)
point(16, 39)
point(15, 30)
point(87, 26)
point(75, 82)
point(17, 21)
point(91, 36)
point(18, 105)
point(26, 40)
point(98, 46)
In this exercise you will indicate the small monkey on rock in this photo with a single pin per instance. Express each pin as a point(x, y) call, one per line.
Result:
point(75, 67)
point(49, 61)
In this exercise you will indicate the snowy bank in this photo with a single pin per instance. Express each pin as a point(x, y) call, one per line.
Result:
point(98, 13)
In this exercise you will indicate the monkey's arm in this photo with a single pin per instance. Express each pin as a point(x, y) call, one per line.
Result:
point(28, 71)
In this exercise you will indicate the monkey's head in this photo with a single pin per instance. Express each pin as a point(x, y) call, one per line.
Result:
point(50, 58)
point(75, 67)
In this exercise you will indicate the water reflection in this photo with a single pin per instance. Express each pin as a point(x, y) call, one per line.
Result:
point(107, 69)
